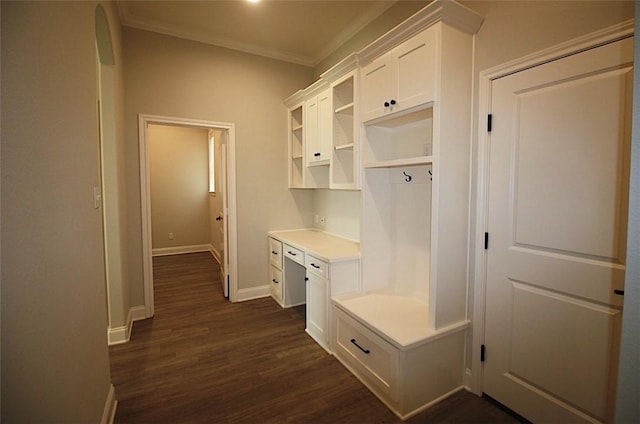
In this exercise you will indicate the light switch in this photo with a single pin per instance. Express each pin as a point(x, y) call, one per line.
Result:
point(97, 197)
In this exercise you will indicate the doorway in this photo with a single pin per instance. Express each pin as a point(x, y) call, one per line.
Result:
point(226, 214)
point(553, 193)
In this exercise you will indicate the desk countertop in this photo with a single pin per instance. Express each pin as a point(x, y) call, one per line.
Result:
point(325, 246)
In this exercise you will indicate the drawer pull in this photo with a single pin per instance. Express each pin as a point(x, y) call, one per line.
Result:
point(275, 281)
point(274, 252)
point(315, 266)
point(366, 351)
point(619, 292)
point(291, 253)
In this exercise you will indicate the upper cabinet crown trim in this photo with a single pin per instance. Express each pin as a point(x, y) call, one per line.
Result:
point(448, 11)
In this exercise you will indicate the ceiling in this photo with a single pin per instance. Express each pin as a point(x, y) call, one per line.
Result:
point(297, 31)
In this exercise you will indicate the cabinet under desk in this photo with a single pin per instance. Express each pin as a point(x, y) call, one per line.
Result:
point(310, 266)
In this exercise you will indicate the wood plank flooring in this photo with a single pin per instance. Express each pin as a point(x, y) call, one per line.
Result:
point(202, 359)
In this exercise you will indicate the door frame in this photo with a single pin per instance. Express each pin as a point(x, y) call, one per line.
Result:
point(145, 199)
point(474, 374)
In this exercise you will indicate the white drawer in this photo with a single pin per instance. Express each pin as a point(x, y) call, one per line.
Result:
point(371, 357)
point(316, 266)
point(275, 278)
point(294, 254)
point(275, 252)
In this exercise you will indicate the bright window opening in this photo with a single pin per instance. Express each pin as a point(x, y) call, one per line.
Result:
point(212, 157)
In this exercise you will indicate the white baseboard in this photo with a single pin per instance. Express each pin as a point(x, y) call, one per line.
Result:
point(110, 406)
point(119, 335)
point(467, 379)
point(178, 250)
point(216, 254)
point(253, 293)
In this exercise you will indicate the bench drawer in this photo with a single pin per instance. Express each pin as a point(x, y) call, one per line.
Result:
point(370, 356)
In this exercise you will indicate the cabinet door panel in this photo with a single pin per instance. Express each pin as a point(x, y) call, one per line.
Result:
point(377, 87)
point(317, 308)
point(325, 124)
point(312, 139)
point(415, 62)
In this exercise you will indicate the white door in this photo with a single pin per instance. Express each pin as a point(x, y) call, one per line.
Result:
point(558, 194)
point(224, 213)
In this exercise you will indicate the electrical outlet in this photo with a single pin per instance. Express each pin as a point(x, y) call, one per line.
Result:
point(170, 236)
point(323, 221)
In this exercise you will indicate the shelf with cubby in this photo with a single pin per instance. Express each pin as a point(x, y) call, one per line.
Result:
point(405, 140)
point(344, 158)
point(296, 145)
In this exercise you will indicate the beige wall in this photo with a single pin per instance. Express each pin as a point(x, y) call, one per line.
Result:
point(55, 363)
point(172, 77)
point(514, 29)
point(113, 176)
point(179, 171)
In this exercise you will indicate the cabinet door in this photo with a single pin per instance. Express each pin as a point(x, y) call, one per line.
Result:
point(312, 136)
point(415, 65)
point(378, 81)
point(325, 126)
point(317, 308)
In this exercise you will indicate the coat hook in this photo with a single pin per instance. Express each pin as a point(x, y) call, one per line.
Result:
point(430, 176)
point(408, 179)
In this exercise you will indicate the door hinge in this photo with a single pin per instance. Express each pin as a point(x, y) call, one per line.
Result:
point(482, 352)
point(486, 241)
point(489, 122)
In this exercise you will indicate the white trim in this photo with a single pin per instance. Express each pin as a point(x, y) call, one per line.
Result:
point(358, 24)
point(178, 250)
point(486, 77)
point(253, 293)
point(110, 406)
point(119, 335)
point(145, 199)
point(216, 254)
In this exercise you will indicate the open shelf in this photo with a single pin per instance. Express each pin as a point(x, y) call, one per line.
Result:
point(344, 157)
point(344, 146)
point(401, 140)
point(420, 160)
point(346, 109)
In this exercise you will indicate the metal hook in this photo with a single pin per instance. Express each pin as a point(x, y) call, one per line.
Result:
point(408, 179)
point(430, 176)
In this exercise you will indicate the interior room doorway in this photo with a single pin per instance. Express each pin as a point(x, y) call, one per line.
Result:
point(226, 215)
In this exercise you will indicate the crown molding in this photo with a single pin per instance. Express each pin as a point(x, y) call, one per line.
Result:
point(129, 20)
point(450, 12)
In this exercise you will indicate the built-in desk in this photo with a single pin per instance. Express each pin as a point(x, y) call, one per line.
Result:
point(310, 266)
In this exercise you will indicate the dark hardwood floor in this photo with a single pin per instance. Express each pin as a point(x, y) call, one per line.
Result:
point(202, 359)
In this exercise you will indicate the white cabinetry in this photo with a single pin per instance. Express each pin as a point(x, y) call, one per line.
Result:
point(323, 130)
point(331, 266)
point(309, 143)
point(404, 334)
point(275, 269)
point(345, 154)
point(402, 78)
point(286, 279)
point(295, 115)
point(317, 295)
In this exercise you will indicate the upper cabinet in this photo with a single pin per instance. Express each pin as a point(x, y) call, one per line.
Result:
point(323, 146)
point(402, 78)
